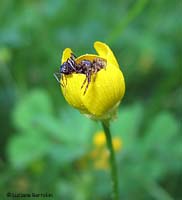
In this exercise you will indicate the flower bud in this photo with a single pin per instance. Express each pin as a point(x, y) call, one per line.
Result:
point(105, 89)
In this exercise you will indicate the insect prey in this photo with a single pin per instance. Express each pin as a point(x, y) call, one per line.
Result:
point(86, 67)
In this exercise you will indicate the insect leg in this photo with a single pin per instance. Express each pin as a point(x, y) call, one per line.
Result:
point(88, 78)
point(56, 77)
point(84, 82)
point(64, 79)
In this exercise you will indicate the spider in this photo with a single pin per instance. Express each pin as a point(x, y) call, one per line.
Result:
point(86, 67)
point(66, 68)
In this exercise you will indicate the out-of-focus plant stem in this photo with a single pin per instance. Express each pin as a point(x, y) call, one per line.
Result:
point(131, 15)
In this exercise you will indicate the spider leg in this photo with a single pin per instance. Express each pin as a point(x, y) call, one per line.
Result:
point(84, 82)
point(94, 76)
point(88, 78)
point(71, 63)
point(73, 56)
point(95, 73)
point(56, 76)
point(65, 79)
point(62, 81)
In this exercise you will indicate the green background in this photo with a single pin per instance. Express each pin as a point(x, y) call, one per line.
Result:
point(41, 137)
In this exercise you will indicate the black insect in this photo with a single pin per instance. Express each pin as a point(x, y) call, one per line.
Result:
point(66, 68)
point(86, 67)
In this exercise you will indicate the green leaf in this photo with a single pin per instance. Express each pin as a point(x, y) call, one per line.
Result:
point(77, 128)
point(65, 154)
point(128, 122)
point(50, 126)
point(29, 108)
point(162, 142)
point(26, 148)
point(162, 131)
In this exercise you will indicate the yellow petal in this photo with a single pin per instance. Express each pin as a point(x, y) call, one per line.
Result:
point(71, 88)
point(105, 52)
point(99, 139)
point(117, 143)
point(66, 54)
point(105, 92)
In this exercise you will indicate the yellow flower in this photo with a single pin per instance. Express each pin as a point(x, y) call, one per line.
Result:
point(99, 140)
point(99, 155)
point(101, 164)
point(104, 92)
point(117, 143)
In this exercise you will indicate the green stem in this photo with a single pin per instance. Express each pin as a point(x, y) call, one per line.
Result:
point(114, 175)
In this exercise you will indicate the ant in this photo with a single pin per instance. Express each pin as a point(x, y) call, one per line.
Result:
point(86, 67)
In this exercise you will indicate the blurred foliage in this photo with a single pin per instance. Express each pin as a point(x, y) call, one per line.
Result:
point(42, 140)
